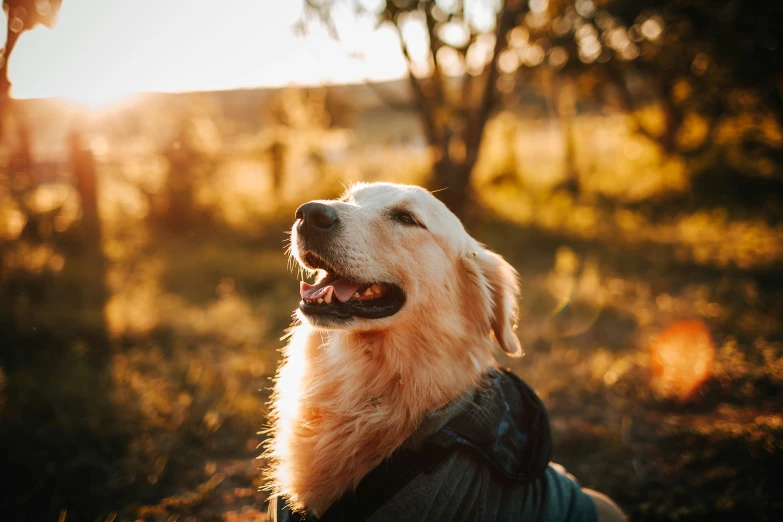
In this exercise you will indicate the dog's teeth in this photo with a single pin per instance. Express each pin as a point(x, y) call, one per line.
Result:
point(328, 296)
point(356, 294)
point(376, 289)
point(320, 300)
point(368, 291)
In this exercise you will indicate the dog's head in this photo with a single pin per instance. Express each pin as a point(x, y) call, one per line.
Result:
point(394, 257)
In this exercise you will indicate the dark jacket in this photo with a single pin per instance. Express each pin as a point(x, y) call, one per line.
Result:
point(484, 457)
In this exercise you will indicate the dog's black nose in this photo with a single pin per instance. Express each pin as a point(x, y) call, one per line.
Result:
point(316, 216)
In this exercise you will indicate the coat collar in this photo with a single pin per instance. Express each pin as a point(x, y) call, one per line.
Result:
point(502, 420)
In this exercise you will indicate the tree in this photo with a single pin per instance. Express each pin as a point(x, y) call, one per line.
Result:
point(453, 75)
point(300, 122)
point(714, 63)
point(22, 15)
point(193, 158)
point(701, 62)
point(713, 69)
point(701, 79)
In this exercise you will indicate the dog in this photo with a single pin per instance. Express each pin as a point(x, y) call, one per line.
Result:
point(393, 343)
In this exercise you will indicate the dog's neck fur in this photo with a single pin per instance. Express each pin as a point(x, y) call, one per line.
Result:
point(344, 401)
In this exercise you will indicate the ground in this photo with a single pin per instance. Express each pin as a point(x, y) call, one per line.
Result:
point(150, 405)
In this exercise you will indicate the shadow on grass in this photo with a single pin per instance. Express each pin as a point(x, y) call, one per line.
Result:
point(532, 250)
point(714, 457)
point(168, 427)
point(740, 195)
point(63, 436)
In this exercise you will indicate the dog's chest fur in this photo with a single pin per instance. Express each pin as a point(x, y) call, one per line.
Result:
point(345, 402)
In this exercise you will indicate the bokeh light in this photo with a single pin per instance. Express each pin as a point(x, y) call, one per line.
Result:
point(624, 157)
point(681, 359)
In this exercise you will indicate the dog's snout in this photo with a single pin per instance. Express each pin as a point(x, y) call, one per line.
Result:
point(316, 216)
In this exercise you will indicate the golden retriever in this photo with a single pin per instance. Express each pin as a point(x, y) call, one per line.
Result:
point(403, 318)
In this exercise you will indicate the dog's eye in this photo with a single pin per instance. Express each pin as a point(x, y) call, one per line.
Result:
point(404, 217)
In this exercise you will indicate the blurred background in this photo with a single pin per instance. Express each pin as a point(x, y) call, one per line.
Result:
point(625, 155)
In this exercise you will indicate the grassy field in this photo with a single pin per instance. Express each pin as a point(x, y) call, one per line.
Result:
point(148, 405)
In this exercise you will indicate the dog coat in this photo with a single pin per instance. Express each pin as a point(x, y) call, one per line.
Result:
point(484, 457)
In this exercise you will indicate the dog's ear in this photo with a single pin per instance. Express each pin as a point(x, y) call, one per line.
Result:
point(500, 284)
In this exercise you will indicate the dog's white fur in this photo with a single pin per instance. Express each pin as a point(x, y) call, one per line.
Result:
point(347, 395)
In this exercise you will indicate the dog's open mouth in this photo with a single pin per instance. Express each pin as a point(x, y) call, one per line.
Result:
point(342, 297)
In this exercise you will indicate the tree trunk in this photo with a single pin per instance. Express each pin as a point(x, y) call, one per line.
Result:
point(565, 104)
point(85, 178)
point(180, 204)
point(455, 130)
point(5, 84)
point(21, 175)
point(672, 122)
point(91, 261)
point(451, 180)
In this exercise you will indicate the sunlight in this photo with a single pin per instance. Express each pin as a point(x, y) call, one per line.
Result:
point(681, 359)
point(97, 99)
point(101, 51)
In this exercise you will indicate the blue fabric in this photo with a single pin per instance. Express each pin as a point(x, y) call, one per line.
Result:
point(505, 422)
point(463, 489)
point(487, 461)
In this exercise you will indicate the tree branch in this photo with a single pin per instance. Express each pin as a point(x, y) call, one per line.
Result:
point(11, 39)
point(440, 95)
point(505, 22)
point(425, 108)
point(5, 84)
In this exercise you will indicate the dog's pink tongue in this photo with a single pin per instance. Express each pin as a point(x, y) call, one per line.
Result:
point(343, 289)
point(312, 291)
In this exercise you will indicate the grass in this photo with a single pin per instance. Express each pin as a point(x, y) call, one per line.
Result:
point(149, 407)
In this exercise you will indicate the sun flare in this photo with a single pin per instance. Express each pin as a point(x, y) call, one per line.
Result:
point(100, 52)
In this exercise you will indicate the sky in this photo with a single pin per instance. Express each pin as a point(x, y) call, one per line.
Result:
point(103, 50)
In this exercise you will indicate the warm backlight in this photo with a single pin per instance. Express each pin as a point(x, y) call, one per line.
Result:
point(102, 50)
point(681, 359)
